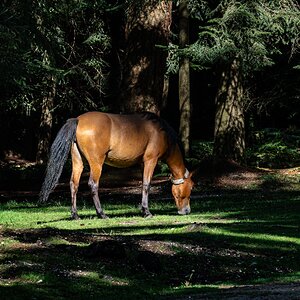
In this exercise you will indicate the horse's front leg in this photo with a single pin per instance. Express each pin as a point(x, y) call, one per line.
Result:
point(149, 167)
point(145, 194)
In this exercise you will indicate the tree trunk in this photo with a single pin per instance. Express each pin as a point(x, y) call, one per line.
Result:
point(229, 137)
point(46, 122)
point(184, 79)
point(148, 25)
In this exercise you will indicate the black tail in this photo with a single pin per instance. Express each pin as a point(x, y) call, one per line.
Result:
point(58, 156)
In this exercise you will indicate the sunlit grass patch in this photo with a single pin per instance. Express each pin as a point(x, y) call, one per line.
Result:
point(229, 239)
point(6, 243)
point(32, 277)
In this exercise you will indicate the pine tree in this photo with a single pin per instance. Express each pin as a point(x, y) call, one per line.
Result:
point(240, 38)
point(184, 78)
point(144, 64)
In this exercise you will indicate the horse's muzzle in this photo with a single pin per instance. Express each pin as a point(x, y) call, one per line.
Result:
point(184, 211)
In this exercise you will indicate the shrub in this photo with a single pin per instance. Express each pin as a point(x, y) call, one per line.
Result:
point(274, 148)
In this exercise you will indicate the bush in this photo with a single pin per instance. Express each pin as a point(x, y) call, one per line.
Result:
point(274, 148)
point(202, 150)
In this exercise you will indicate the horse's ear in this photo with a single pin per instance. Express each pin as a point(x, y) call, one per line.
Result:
point(192, 173)
point(193, 176)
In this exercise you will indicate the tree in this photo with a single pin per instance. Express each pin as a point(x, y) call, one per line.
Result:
point(14, 49)
point(184, 78)
point(147, 27)
point(46, 121)
point(61, 66)
point(229, 142)
point(240, 38)
point(44, 46)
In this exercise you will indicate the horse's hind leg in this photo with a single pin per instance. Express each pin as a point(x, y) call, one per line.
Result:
point(96, 169)
point(77, 167)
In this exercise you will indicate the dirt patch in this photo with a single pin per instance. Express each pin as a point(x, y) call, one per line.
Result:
point(253, 292)
point(244, 179)
point(227, 174)
point(231, 175)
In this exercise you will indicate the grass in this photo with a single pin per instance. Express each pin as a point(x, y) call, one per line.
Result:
point(231, 238)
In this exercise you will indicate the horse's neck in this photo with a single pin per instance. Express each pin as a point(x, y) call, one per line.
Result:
point(175, 163)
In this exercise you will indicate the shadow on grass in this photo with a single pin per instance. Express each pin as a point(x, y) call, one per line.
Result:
point(249, 236)
point(134, 267)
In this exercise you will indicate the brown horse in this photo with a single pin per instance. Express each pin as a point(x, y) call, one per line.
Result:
point(119, 141)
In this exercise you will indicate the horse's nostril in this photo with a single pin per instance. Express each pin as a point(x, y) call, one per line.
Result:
point(185, 211)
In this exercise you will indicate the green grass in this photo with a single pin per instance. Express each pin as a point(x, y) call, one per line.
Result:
point(231, 238)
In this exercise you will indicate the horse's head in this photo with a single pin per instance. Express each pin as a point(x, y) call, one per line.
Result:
point(181, 190)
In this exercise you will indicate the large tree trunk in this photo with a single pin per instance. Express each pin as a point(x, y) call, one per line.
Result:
point(46, 122)
point(184, 78)
point(229, 139)
point(148, 25)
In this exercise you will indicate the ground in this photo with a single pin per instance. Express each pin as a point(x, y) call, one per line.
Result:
point(254, 292)
point(150, 254)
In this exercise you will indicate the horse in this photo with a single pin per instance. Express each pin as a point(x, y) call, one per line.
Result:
point(118, 140)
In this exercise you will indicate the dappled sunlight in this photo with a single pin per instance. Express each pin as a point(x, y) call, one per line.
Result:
point(257, 238)
point(227, 240)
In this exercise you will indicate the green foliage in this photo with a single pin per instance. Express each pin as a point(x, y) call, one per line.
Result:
point(64, 43)
point(251, 31)
point(202, 150)
point(162, 169)
point(274, 149)
point(277, 92)
point(173, 59)
point(12, 66)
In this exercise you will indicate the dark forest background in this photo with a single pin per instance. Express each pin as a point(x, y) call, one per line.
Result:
point(224, 74)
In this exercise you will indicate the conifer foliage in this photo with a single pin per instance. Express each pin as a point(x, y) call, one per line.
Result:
point(238, 39)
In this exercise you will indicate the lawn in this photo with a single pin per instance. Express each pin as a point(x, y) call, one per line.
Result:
point(231, 238)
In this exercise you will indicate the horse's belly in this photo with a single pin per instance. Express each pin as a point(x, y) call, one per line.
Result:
point(122, 161)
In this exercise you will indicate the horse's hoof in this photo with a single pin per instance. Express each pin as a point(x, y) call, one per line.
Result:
point(75, 217)
point(148, 215)
point(103, 216)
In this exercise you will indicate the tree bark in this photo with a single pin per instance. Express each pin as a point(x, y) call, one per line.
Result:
point(229, 136)
point(46, 122)
point(148, 25)
point(184, 78)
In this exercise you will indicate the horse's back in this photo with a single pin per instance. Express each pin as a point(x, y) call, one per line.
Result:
point(123, 139)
